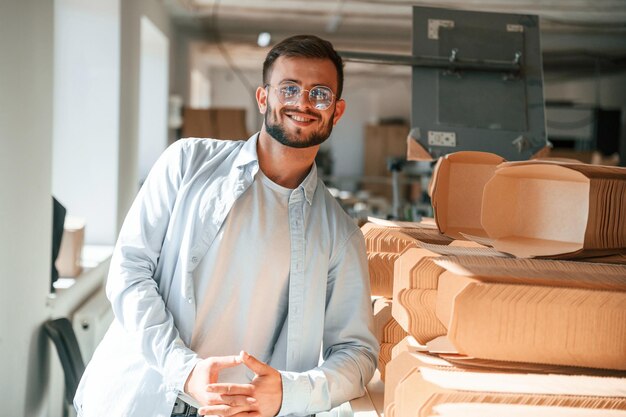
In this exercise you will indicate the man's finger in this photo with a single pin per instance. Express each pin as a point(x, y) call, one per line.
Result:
point(231, 389)
point(226, 361)
point(223, 410)
point(254, 364)
point(248, 414)
point(232, 400)
point(222, 362)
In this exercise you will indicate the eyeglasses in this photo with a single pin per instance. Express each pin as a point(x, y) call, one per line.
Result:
point(320, 96)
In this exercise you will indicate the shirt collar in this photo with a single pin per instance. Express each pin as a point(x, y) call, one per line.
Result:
point(248, 154)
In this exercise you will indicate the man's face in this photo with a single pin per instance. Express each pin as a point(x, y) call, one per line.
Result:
point(300, 125)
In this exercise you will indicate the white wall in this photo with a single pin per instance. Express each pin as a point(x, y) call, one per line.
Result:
point(26, 62)
point(86, 113)
point(153, 95)
point(368, 100)
point(128, 175)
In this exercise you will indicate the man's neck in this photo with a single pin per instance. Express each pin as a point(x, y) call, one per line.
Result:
point(282, 164)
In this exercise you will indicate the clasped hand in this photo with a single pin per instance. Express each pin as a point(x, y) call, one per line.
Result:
point(260, 398)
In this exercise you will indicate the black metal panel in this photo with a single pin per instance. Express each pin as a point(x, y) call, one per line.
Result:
point(497, 112)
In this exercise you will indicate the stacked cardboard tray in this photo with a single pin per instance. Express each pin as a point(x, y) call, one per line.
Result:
point(385, 242)
point(527, 316)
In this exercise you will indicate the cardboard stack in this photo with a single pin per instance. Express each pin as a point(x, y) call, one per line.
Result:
point(381, 272)
point(495, 333)
point(387, 331)
point(541, 208)
point(385, 242)
point(497, 323)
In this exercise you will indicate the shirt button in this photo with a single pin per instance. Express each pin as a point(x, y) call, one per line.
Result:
point(189, 300)
point(194, 260)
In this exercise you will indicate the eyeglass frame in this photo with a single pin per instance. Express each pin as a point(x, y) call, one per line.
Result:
point(302, 90)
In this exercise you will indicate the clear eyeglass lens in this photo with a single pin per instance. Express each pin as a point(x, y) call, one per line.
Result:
point(290, 91)
point(320, 97)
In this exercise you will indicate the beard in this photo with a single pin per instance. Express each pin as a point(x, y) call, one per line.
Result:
point(277, 131)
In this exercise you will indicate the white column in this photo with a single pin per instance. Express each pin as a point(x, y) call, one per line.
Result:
point(26, 85)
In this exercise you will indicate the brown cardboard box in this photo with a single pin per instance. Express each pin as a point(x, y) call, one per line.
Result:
point(556, 209)
point(534, 310)
point(434, 389)
point(415, 281)
point(217, 123)
point(456, 191)
point(68, 262)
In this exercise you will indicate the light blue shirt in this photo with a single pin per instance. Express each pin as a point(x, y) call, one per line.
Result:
point(144, 359)
point(242, 282)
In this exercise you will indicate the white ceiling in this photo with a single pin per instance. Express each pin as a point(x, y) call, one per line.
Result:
point(576, 34)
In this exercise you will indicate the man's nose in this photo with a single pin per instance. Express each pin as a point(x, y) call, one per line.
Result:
point(303, 99)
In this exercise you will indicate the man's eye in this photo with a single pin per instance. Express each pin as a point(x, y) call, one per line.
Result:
point(289, 91)
point(320, 94)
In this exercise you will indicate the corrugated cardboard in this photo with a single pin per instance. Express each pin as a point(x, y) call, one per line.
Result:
point(68, 262)
point(383, 358)
point(550, 209)
point(414, 150)
point(387, 331)
point(548, 272)
point(529, 323)
point(396, 239)
point(534, 310)
point(427, 385)
point(382, 315)
point(472, 404)
point(415, 284)
point(397, 369)
point(217, 123)
point(464, 248)
point(463, 379)
point(425, 223)
point(415, 294)
point(381, 272)
point(456, 191)
point(489, 365)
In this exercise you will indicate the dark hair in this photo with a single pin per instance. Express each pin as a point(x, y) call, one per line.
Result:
point(305, 46)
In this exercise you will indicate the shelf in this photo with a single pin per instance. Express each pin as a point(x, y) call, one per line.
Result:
point(72, 292)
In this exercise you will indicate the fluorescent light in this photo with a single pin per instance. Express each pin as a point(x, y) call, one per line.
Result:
point(264, 39)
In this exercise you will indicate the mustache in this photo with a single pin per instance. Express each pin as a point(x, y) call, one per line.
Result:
point(307, 111)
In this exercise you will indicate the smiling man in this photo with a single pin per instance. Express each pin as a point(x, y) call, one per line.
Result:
point(236, 270)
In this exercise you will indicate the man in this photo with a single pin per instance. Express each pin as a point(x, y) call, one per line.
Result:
point(235, 265)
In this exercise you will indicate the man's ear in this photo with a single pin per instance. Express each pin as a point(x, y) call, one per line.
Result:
point(340, 108)
point(261, 99)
